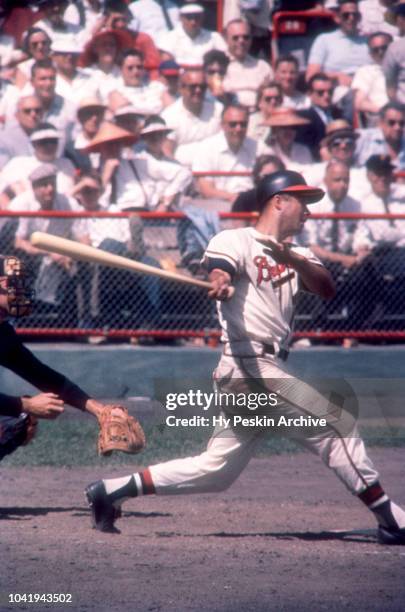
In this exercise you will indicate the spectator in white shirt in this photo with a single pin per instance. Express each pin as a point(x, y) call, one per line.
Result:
point(44, 140)
point(164, 179)
point(228, 151)
point(154, 17)
point(54, 23)
point(191, 118)
point(72, 83)
point(37, 46)
point(369, 86)
point(245, 74)
point(52, 270)
point(101, 55)
point(15, 140)
point(148, 97)
point(286, 74)
point(189, 41)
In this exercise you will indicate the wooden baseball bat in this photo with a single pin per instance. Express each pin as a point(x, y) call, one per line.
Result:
point(83, 252)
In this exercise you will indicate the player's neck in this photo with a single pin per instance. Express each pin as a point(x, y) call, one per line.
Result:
point(269, 226)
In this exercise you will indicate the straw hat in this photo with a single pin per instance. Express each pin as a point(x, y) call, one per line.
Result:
point(285, 117)
point(339, 128)
point(110, 133)
point(122, 38)
point(90, 102)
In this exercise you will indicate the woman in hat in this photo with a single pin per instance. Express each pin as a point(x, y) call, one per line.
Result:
point(100, 56)
point(284, 123)
point(269, 97)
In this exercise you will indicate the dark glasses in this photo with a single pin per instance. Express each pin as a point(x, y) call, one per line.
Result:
point(323, 92)
point(215, 71)
point(392, 122)
point(347, 142)
point(380, 49)
point(28, 111)
point(272, 98)
point(195, 86)
point(241, 37)
point(234, 124)
point(347, 15)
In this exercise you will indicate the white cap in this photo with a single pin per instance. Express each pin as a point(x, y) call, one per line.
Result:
point(191, 9)
point(66, 44)
point(152, 126)
point(44, 134)
point(43, 171)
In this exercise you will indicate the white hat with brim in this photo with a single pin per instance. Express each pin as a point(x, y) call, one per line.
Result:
point(128, 109)
point(45, 134)
point(66, 45)
point(285, 117)
point(154, 127)
point(191, 9)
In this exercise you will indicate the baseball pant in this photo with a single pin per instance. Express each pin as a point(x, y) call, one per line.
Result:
point(230, 448)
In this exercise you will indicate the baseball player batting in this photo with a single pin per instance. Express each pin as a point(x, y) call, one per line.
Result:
point(265, 270)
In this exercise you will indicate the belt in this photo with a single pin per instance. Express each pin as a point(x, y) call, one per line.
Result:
point(281, 354)
point(254, 348)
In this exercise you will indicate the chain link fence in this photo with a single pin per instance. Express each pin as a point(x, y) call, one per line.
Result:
point(77, 298)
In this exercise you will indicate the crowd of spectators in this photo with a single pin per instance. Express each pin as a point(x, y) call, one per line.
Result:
point(128, 106)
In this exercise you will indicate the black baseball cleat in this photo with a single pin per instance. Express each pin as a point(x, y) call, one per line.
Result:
point(390, 537)
point(103, 512)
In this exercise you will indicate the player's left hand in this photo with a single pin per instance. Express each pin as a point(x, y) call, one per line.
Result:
point(281, 251)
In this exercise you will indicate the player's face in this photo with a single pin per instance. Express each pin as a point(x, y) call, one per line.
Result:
point(234, 125)
point(239, 39)
point(294, 213)
point(286, 76)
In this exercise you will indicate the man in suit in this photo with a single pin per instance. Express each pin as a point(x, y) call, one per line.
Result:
point(320, 113)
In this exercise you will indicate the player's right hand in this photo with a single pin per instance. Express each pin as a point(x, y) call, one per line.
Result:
point(43, 405)
point(221, 285)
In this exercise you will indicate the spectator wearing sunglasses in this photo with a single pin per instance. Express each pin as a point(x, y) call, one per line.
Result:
point(189, 41)
point(215, 65)
point(340, 53)
point(321, 112)
point(387, 138)
point(269, 98)
point(370, 92)
point(245, 73)
point(15, 140)
point(394, 60)
point(231, 150)
point(192, 117)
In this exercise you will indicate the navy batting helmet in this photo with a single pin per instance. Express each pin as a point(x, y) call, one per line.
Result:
point(286, 181)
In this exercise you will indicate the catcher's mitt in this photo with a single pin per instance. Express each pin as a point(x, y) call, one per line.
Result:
point(119, 431)
point(15, 432)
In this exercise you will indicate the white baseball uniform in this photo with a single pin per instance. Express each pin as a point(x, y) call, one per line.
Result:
point(256, 327)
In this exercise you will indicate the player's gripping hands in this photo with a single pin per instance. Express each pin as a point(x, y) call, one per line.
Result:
point(222, 288)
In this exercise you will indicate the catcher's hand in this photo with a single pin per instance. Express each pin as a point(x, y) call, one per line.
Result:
point(119, 431)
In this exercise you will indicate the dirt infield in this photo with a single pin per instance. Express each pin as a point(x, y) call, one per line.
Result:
point(285, 536)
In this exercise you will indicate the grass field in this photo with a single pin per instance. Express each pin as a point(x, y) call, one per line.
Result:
point(72, 442)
